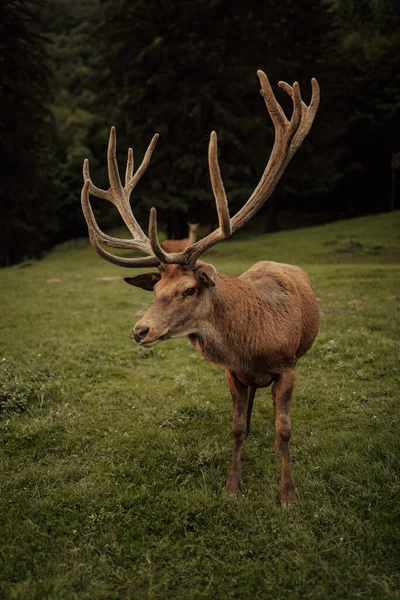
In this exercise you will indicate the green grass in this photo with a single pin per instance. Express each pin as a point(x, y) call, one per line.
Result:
point(114, 458)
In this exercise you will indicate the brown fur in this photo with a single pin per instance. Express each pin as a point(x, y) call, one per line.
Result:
point(265, 320)
point(255, 327)
point(181, 245)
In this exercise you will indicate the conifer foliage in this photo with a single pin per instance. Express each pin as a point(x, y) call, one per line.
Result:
point(27, 136)
point(369, 43)
point(185, 68)
point(72, 68)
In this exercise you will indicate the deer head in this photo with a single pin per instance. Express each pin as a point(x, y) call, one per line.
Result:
point(181, 301)
point(183, 286)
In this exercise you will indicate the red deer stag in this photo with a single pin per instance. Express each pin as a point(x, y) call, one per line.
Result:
point(255, 326)
point(180, 245)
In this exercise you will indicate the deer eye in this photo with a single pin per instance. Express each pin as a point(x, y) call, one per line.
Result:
point(189, 291)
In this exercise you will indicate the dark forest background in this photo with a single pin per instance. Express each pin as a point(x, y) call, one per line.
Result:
point(72, 68)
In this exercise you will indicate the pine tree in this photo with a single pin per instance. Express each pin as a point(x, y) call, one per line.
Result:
point(27, 218)
point(370, 42)
point(185, 68)
point(71, 26)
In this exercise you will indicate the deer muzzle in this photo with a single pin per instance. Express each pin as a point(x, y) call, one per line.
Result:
point(147, 336)
point(139, 333)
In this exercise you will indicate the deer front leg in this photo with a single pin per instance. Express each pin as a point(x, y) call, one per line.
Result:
point(282, 391)
point(242, 402)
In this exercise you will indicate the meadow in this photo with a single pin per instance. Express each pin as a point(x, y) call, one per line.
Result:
point(113, 458)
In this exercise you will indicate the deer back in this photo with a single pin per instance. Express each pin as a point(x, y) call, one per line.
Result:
point(288, 288)
point(175, 245)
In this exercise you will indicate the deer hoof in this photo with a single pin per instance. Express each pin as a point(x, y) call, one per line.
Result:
point(232, 485)
point(288, 498)
point(231, 495)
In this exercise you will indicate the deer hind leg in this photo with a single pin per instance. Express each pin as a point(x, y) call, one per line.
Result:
point(282, 391)
point(242, 403)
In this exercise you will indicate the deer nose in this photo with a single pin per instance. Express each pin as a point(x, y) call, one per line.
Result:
point(139, 333)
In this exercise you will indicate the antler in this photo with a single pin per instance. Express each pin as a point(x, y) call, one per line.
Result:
point(288, 138)
point(119, 196)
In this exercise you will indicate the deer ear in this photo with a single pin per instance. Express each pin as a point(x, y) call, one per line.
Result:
point(206, 273)
point(147, 281)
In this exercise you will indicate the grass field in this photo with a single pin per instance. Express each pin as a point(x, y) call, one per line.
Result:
point(114, 458)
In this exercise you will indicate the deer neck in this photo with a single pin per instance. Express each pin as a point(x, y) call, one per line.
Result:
point(228, 334)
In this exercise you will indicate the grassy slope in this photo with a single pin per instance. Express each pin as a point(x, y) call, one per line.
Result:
point(113, 474)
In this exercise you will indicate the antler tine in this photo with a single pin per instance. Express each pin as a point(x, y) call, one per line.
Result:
point(307, 113)
point(119, 196)
point(288, 137)
point(315, 98)
point(96, 236)
point(184, 258)
point(92, 225)
point(113, 173)
point(153, 237)
point(218, 187)
point(315, 95)
point(129, 167)
point(121, 261)
point(164, 257)
point(275, 110)
point(105, 195)
point(130, 185)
